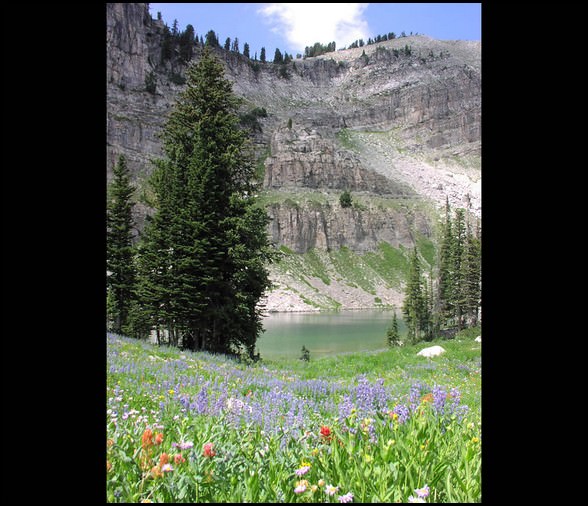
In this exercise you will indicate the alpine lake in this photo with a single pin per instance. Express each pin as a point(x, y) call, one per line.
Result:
point(325, 333)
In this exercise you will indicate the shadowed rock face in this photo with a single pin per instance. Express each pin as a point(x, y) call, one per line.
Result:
point(430, 99)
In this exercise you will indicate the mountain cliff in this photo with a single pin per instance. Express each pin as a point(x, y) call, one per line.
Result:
point(397, 124)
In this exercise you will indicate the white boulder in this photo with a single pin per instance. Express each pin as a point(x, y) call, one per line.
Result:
point(432, 351)
point(478, 339)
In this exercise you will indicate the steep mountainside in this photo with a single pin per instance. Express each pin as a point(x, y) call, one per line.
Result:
point(395, 123)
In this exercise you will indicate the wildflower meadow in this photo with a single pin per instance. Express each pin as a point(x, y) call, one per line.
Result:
point(379, 427)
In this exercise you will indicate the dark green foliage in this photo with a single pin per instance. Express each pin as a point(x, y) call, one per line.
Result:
point(235, 45)
point(186, 43)
point(228, 44)
point(392, 334)
point(211, 39)
point(246, 50)
point(203, 253)
point(283, 72)
point(176, 78)
point(150, 82)
point(166, 45)
point(290, 123)
point(278, 58)
point(305, 354)
point(120, 266)
point(250, 119)
point(262, 55)
point(318, 49)
point(415, 305)
point(345, 199)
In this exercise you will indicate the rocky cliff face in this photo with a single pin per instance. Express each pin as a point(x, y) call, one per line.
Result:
point(328, 226)
point(398, 120)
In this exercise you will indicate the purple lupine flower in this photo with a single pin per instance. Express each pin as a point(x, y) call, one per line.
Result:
point(423, 492)
point(348, 497)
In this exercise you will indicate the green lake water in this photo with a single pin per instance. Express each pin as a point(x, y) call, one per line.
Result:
point(325, 333)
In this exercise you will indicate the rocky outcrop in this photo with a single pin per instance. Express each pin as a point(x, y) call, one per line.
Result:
point(303, 158)
point(328, 226)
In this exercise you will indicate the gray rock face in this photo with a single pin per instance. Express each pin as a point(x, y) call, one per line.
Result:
point(303, 158)
point(430, 99)
point(330, 227)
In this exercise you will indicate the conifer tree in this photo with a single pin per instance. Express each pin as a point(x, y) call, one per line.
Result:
point(121, 275)
point(205, 248)
point(392, 335)
point(443, 306)
point(278, 58)
point(457, 254)
point(262, 55)
point(246, 50)
point(414, 306)
point(471, 275)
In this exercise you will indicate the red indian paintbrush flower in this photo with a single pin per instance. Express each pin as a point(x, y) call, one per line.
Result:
point(326, 433)
point(159, 438)
point(208, 450)
point(147, 439)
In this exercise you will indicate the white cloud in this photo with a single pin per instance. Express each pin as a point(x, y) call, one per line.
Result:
point(305, 24)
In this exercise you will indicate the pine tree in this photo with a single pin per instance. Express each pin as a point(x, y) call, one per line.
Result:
point(121, 277)
point(228, 44)
point(246, 50)
point(186, 43)
point(471, 275)
point(457, 255)
point(444, 297)
point(262, 55)
point(414, 307)
point(205, 249)
point(392, 335)
point(278, 58)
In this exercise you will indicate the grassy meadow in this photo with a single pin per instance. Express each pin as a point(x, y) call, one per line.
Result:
point(389, 426)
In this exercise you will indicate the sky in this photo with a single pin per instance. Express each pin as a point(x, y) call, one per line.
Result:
point(291, 27)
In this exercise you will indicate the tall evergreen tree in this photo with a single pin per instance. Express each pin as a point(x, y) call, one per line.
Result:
point(186, 43)
point(471, 276)
point(246, 50)
point(443, 306)
point(228, 44)
point(278, 58)
point(262, 55)
point(414, 307)
point(205, 249)
point(121, 275)
point(457, 255)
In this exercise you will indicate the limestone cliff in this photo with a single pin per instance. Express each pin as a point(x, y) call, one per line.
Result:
point(397, 121)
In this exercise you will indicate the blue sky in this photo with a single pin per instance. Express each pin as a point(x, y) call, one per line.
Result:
point(292, 26)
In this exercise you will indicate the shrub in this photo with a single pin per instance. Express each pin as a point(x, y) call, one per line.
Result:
point(345, 199)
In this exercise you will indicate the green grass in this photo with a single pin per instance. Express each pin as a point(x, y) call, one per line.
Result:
point(195, 427)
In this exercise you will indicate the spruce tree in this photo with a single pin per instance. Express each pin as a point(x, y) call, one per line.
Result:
point(121, 275)
point(471, 275)
point(444, 297)
point(457, 255)
point(392, 335)
point(414, 307)
point(246, 50)
point(205, 249)
point(262, 55)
